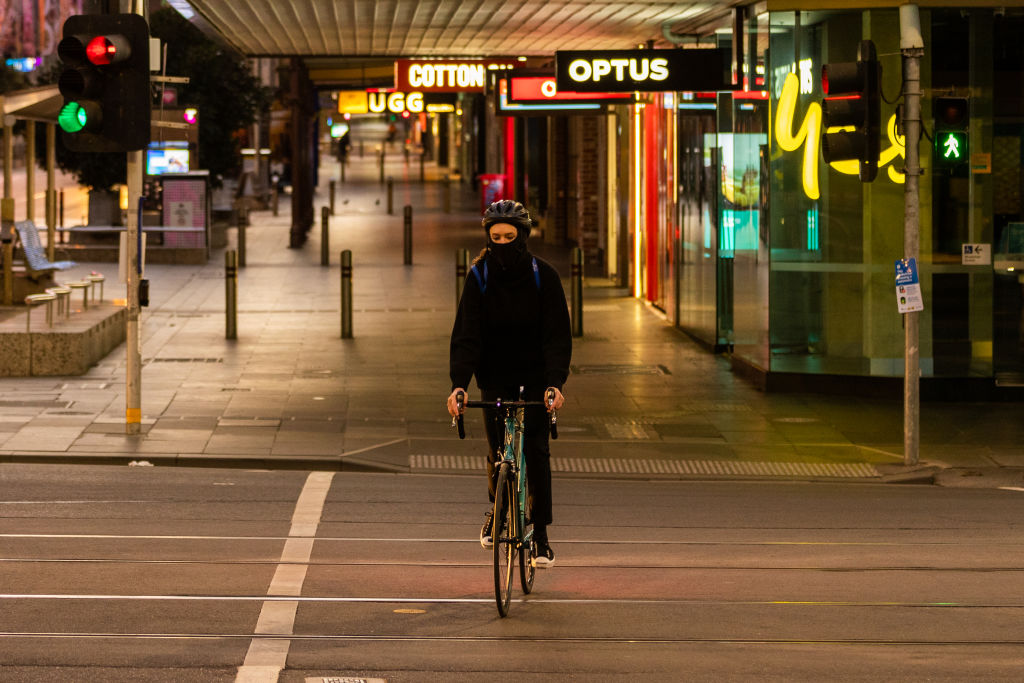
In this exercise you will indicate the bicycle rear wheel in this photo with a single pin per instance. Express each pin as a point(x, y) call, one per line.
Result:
point(504, 541)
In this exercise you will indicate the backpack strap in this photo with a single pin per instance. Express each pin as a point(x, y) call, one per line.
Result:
point(536, 273)
point(480, 280)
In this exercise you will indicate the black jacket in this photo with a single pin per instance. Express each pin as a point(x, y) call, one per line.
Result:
point(514, 334)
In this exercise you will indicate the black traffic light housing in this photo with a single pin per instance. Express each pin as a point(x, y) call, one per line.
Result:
point(105, 83)
point(853, 99)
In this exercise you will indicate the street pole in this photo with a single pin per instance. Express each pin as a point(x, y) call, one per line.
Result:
point(912, 47)
point(133, 331)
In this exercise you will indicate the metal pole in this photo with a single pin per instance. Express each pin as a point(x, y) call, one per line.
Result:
point(332, 197)
point(447, 194)
point(577, 292)
point(133, 328)
point(407, 234)
point(243, 221)
point(325, 237)
point(391, 195)
point(343, 164)
point(912, 48)
point(423, 156)
point(231, 294)
point(275, 198)
point(382, 164)
point(30, 170)
point(346, 294)
point(51, 191)
point(361, 149)
point(8, 124)
point(61, 211)
point(7, 221)
point(461, 270)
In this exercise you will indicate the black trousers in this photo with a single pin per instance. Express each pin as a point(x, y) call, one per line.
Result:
point(535, 449)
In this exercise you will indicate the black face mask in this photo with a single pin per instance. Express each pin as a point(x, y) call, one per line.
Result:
point(508, 255)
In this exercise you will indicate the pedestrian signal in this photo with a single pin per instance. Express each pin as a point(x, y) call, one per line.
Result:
point(951, 146)
point(105, 83)
point(851, 111)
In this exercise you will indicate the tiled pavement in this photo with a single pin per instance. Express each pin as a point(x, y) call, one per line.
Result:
point(643, 400)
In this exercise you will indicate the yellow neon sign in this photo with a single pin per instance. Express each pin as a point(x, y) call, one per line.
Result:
point(809, 135)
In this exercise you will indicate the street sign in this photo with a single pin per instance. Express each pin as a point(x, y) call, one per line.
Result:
point(976, 254)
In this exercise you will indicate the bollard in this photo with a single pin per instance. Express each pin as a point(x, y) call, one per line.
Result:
point(382, 165)
point(461, 270)
point(407, 232)
point(343, 171)
point(243, 218)
point(447, 194)
point(360, 149)
point(325, 237)
point(391, 195)
point(60, 198)
point(577, 292)
point(274, 198)
point(423, 156)
point(231, 294)
point(332, 197)
point(346, 294)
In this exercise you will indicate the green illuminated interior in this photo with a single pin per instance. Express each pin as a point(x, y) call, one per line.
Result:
point(72, 117)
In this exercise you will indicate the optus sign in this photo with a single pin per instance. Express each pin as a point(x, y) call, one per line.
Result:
point(430, 75)
point(643, 70)
point(808, 135)
point(544, 89)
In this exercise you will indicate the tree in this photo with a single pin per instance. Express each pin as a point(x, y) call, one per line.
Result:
point(228, 96)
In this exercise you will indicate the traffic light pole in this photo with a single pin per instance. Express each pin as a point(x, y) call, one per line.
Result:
point(912, 48)
point(133, 331)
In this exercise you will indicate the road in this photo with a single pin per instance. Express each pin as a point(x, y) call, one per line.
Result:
point(161, 574)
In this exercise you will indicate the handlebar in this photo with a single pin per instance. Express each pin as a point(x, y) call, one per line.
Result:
point(462, 403)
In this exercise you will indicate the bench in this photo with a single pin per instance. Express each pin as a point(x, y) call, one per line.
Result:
point(36, 262)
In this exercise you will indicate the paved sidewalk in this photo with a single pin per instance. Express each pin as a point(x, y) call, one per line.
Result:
point(643, 400)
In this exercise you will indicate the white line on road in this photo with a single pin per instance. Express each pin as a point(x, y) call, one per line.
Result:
point(1011, 488)
point(267, 656)
point(374, 447)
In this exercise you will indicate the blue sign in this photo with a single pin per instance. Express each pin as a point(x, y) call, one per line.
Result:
point(906, 272)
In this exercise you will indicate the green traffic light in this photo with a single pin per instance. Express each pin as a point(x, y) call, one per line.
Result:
point(951, 146)
point(73, 117)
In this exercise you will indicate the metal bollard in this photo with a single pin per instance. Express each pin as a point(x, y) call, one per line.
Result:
point(360, 149)
point(576, 275)
point(346, 294)
point(332, 197)
point(461, 271)
point(243, 219)
point(382, 165)
point(274, 198)
point(231, 294)
point(447, 194)
point(407, 232)
point(423, 156)
point(325, 237)
point(391, 195)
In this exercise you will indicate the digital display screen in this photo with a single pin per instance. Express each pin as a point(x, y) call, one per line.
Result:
point(170, 160)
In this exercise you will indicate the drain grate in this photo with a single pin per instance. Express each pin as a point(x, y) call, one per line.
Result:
point(183, 360)
point(677, 467)
point(620, 369)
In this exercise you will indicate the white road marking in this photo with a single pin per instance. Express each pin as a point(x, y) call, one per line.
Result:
point(267, 656)
point(374, 447)
point(1011, 488)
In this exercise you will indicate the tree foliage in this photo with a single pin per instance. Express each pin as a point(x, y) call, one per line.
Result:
point(221, 86)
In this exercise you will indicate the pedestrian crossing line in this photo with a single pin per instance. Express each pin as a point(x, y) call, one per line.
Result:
point(665, 467)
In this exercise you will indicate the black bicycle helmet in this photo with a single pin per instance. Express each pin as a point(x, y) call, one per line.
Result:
point(508, 211)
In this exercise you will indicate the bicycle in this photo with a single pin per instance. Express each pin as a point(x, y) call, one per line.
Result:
point(511, 530)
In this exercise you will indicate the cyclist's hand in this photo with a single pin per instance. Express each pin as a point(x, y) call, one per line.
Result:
point(559, 399)
point(453, 407)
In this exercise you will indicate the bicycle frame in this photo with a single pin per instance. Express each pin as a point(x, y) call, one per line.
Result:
point(513, 454)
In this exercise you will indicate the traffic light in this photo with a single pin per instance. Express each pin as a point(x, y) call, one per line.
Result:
point(105, 83)
point(952, 115)
point(853, 100)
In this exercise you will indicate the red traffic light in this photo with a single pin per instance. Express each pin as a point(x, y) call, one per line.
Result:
point(104, 50)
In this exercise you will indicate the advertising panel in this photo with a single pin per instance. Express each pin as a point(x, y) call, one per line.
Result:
point(644, 70)
point(446, 75)
point(544, 89)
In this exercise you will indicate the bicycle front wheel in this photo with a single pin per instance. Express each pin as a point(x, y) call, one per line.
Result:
point(503, 533)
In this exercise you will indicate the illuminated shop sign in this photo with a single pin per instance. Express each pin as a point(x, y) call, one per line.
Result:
point(379, 102)
point(808, 135)
point(507, 108)
point(643, 70)
point(544, 89)
point(352, 102)
point(438, 75)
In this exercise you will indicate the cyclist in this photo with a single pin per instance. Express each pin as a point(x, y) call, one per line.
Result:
point(512, 330)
